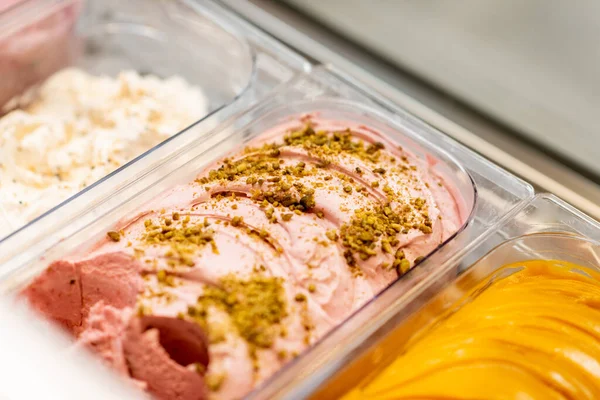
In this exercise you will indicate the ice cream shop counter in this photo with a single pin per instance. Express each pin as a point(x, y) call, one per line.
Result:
point(206, 199)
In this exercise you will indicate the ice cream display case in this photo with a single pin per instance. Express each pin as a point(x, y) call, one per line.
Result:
point(370, 193)
point(277, 238)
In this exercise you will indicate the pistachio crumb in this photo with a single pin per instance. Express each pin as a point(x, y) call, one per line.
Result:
point(286, 217)
point(404, 266)
point(214, 381)
point(332, 235)
point(237, 221)
point(300, 297)
point(114, 236)
point(256, 306)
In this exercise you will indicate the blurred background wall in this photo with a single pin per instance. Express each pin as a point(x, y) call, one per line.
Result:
point(531, 64)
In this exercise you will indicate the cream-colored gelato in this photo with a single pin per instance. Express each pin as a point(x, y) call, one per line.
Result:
point(81, 127)
point(267, 250)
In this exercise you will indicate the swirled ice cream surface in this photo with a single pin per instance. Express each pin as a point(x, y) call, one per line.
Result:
point(266, 251)
point(529, 331)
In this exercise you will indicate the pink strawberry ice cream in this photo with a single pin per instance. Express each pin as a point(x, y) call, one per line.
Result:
point(34, 51)
point(264, 253)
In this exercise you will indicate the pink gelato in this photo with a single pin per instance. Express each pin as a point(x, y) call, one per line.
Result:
point(33, 52)
point(266, 251)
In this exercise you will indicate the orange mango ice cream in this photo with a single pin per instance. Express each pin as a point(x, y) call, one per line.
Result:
point(532, 335)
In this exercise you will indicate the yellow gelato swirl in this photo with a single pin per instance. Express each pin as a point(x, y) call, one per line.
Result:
point(532, 335)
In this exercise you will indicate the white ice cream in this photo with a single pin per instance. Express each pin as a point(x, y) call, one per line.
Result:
point(81, 127)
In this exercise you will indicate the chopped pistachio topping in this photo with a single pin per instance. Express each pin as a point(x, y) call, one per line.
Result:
point(214, 381)
point(199, 368)
point(324, 145)
point(332, 235)
point(143, 309)
point(114, 236)
point(369, 229)
point(237, 221)
point(256, 306)
point(303, 201)
point(184, 240)
point(300, 297)
point(258, 167)
point(277, 182)
point(286, 217)
point(263, 164)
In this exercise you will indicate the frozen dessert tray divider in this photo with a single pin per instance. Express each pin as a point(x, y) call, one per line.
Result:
point(544, 227)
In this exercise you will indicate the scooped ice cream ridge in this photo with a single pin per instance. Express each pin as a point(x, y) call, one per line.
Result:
point(266, 251)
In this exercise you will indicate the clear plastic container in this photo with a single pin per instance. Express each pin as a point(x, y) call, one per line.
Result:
point(488, 191)
point(107, 37)
point(198, 40)
point(545, 228)
point(233, 63)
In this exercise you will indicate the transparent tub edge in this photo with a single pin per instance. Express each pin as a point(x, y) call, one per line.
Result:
point(18, 15)
point(261, 38)
point(311, 377)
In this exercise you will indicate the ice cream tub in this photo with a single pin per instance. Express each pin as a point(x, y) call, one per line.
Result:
point(546, 243)
point(88, 86)
point(332, 196)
